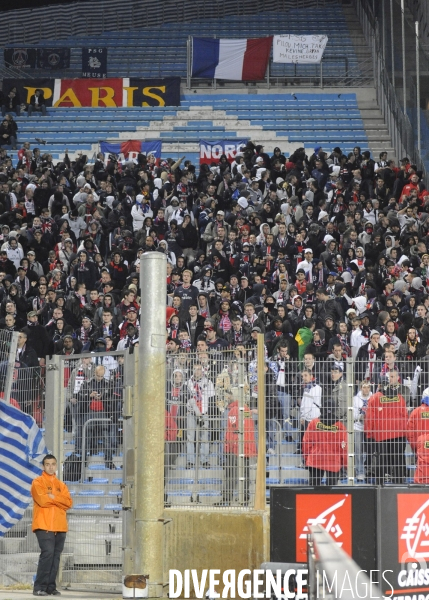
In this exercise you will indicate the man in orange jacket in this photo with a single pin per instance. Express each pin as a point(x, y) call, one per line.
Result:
point(51, 501)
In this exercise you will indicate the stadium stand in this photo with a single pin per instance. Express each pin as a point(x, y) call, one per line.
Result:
point(161, 50)
point(315, 215)
point(274, 119)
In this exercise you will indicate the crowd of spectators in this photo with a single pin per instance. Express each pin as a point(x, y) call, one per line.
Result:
point(325, 254)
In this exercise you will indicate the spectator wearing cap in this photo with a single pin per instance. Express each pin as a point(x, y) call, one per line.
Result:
point(307, 264)
point(327, 307)
point(37, 336)
point(85, 333)
point(336, 386)
point(131, 318)
point(214, 343)
point(211, 231)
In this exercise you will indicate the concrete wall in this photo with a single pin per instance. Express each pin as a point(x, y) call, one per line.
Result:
point(211, 539)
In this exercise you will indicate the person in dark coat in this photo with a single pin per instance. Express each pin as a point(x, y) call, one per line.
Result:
point(37, 103)
point(37, 335)
point(118, 271)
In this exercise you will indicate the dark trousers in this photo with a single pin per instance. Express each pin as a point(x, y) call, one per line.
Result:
point(230, 481)
point(391, 466)
point(51, 545)
point(316, 476)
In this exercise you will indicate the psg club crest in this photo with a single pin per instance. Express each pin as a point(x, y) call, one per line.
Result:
point(19, 57)
point(54, 59)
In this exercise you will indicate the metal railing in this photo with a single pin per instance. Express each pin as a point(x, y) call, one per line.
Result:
point(328, 563)
point(360, 75)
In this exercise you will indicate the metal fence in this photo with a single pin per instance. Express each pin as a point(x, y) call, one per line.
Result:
point(330, 419)
point(390, 33)
point(83, 426)
point(212, 427)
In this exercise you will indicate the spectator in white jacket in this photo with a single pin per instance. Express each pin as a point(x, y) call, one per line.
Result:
point(77, 223)
point(360, 405)
point(389, 336)
point(311, 401)
point(14, 253)
point(140, 211)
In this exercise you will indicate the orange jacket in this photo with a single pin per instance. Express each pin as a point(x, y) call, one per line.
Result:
point(50, 514)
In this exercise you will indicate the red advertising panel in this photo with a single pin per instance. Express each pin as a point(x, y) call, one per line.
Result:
point(413, 527)
point(332, 511)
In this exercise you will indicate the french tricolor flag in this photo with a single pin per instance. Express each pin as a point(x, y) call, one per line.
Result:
point(238, 60)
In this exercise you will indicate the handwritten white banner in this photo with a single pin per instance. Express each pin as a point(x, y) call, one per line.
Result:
point(299, 48)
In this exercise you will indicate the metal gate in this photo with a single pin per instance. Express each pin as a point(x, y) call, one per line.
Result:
point(86, 398)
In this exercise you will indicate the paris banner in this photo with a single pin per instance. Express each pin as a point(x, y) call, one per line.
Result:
point(104, 93)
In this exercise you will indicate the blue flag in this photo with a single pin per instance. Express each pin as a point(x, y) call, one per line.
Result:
point(22, 449)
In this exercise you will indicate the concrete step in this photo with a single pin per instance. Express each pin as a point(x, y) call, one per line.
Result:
point(379, 137)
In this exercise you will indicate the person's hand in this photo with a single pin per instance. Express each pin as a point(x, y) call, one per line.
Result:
point(94, 395)
point(73, 400)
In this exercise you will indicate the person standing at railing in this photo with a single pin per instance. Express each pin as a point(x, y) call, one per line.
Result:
point(360, 405)
point(51, 501)
point(324, 446)
point(231, 449)
point(386, 424)
point(309, 403)
point(96, 400)
point(201, 393)
point(422, 468)
point(418, 423)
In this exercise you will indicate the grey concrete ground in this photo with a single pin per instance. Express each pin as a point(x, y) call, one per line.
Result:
point(67, 595)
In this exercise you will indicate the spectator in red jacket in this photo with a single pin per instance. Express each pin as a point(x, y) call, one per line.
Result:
point(418, 423)
point(231, 448)
point(386, 424)
point(324, 446)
